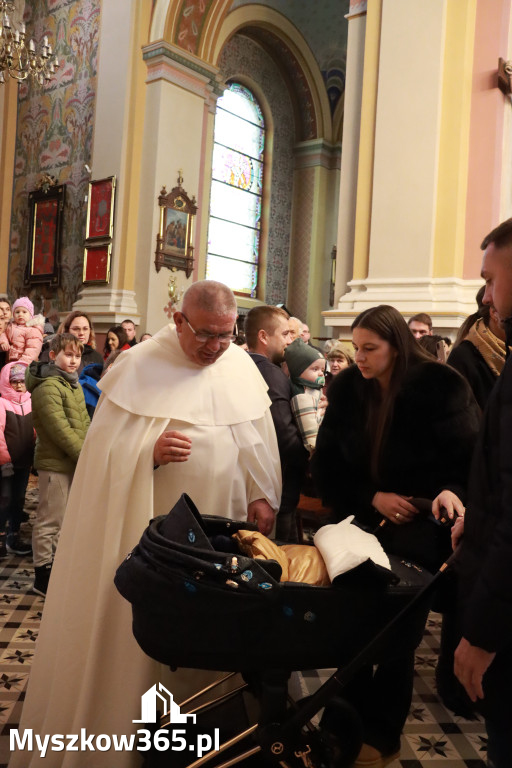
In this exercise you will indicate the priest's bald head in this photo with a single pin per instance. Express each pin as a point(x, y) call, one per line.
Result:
point(206, 321)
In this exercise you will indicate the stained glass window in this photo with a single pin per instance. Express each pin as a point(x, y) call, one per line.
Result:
point(237, 185)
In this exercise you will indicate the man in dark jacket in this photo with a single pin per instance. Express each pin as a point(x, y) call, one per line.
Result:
point(483, 659)
point(267, 334)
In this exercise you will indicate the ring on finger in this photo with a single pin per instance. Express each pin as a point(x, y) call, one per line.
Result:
point(398, 515)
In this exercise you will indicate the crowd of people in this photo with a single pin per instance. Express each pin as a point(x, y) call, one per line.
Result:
point(48, 388)
point(239, 422)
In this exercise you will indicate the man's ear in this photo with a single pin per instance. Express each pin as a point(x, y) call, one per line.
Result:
point(262, 336)
point(178, 320)
point(52, 355)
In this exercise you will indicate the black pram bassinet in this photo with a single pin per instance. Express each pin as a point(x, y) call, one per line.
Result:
point(195, 606)
point(198, 602)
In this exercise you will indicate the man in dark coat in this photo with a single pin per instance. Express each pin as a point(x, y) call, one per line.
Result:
point(483, 659)
point(267, 334)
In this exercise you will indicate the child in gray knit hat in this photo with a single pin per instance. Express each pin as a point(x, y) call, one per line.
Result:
point(307, 374)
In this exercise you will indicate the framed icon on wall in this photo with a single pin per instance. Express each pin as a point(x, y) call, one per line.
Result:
point(46, 206)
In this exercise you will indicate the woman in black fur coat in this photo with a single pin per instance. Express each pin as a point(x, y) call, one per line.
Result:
point(398, 426)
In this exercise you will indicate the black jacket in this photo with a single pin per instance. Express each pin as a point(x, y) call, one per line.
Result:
point(428, 448)
point(485, 557)
point(292, 453)
point(467, 360)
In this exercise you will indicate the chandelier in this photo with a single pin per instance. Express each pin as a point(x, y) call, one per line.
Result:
point(17, 59)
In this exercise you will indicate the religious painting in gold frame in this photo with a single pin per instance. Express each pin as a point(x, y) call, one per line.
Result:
point(97, 257)
point(46, 206)
point(174, 247)
point(100, 208)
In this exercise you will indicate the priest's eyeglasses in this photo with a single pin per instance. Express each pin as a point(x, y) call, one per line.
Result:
point(202, 336)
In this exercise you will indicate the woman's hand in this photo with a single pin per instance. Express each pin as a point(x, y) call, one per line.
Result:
point(395, 508)
point(171, 446)
point(451, 503)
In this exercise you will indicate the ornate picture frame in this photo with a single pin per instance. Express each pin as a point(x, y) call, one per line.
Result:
point(174, 248)
point(46, 206)
point(97, 259)
point(100, 209)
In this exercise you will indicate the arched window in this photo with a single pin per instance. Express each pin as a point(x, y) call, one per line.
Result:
point(236, 191)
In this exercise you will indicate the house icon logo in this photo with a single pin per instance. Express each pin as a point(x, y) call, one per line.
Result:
point(161, 698)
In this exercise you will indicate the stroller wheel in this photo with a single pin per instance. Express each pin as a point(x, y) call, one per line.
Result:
point(340, 736)
point(335, 744)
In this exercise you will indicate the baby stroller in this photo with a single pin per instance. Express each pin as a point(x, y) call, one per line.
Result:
point(197, 602)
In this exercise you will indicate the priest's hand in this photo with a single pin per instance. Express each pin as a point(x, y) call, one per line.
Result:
point(171, 446)
point(261, 513)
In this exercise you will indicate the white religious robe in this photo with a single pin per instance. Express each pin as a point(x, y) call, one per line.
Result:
point(88, 671)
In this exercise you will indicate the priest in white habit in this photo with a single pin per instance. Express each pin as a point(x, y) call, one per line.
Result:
point(185, 412)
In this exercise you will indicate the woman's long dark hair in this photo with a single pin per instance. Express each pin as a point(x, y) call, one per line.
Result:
point(118, 331)
point(389, 325)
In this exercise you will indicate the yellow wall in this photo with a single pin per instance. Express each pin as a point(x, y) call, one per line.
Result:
point(8, 110)
point(457, 77)
point(406, 138)
point(367, 140)
point(176, 117)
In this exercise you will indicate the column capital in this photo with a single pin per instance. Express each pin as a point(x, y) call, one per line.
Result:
point(356, 8)
point(317, 152)
point(168, 62)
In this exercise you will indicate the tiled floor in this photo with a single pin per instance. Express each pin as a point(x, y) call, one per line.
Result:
point(433, 737)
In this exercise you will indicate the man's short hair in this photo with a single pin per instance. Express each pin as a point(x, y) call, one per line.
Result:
point(265, 318)
point(60, 341)
point(211, 296)
point(128, 321)
point(421, 317)
point(501, 236)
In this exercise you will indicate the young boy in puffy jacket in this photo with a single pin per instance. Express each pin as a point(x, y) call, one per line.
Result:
point(17, 439)
point(61, 421)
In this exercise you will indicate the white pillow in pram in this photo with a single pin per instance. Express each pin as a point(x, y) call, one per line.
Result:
point(344, 546)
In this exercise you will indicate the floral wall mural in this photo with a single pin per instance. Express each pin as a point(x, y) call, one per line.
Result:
point(54, 136)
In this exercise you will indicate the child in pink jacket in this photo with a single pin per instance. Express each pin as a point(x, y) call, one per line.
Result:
point(23, 335)
point(17, 440)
